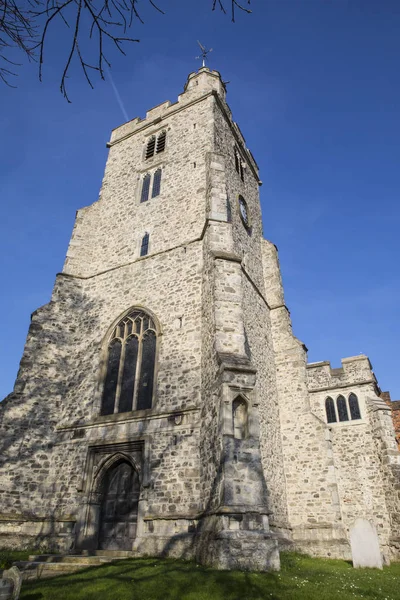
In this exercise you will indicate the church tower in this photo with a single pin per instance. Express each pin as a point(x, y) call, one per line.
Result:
point(136, 413)
point(163, 405)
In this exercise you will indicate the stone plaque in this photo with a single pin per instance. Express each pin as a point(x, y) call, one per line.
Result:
point(365, 545)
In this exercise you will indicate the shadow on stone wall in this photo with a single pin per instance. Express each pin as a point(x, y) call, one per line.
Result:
point(52, 373)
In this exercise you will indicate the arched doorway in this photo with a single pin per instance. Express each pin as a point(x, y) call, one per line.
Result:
point(119, 507)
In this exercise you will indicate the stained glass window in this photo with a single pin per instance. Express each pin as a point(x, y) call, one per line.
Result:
point(145, 188)
point(110, 385)
point(128, 374)
point(342, 409)
point(330, 410)
point(156, 184)
point(129, 382)
point(354, 407)
point(147, 371)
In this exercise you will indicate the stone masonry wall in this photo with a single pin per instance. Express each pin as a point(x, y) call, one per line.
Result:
point(108, 233)
point(394, 406)
point(357, 446)
point(32, 482)
point(63, 364)
point(312, 496)
point(247, 275)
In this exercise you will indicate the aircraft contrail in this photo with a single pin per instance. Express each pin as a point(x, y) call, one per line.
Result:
point(117, 95)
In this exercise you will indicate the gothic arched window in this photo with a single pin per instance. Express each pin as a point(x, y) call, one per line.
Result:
point(354, 407)
point(156, 184)
point(342, 408)
point(144, 246)
point(144, 196)
point(239, 416)
point(330, 410)
point(131, 361)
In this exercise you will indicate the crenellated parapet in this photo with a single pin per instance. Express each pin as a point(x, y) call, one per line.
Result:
point(355, 370)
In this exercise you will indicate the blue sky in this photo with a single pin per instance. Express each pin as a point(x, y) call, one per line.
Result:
point(315, 88)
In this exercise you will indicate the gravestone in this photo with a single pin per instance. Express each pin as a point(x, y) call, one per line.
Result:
point(13, 576)
point(365, 545)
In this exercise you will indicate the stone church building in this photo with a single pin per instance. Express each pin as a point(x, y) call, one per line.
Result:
point(163, 405)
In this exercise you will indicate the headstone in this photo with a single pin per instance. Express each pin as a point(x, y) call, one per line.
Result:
point(14, 575)
point(6, 587)
point(365, 545)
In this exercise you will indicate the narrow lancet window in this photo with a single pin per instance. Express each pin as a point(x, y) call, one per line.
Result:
point(156, 184)
point(145, 393)
point(110, 385)
point(354, 407)
point(330, 411)
point(239, 416)
point(144, 247)
point(342, 409)
point(241, 171)
point(151, 146)
point(145, 188)
point(161, 142)
point(131, 361)
point(237, 167)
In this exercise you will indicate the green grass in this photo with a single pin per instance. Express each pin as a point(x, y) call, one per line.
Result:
point(8, 556)
point(301, 578)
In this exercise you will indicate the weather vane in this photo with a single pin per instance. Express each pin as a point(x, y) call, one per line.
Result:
point(204, 53)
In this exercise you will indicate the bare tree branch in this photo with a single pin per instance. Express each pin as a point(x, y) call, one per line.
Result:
point(25, 25)
point(17, 31)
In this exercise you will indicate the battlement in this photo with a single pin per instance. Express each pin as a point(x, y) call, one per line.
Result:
point(354, 370)
point(199, 86)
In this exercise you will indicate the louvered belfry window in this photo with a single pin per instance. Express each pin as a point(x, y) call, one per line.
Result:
point(151, 146)
point(131, 361)
point(156, 144)
point(156, 184)
point(161, 139)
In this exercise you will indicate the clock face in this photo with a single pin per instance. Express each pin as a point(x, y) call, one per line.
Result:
point(244, 211)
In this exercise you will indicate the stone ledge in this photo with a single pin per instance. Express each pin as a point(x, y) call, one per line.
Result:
point(140, 415)
point(235, 362)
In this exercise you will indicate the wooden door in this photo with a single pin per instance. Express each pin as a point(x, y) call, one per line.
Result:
point(119, 509)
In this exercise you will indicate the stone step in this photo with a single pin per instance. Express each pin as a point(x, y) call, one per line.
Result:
point(50, 565)
point(39, 570)
point(97, 559)
point(109, 553)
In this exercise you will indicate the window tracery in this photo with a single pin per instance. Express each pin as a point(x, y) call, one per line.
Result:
point(131, 360)
point(344, 407)
point(151, 181)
